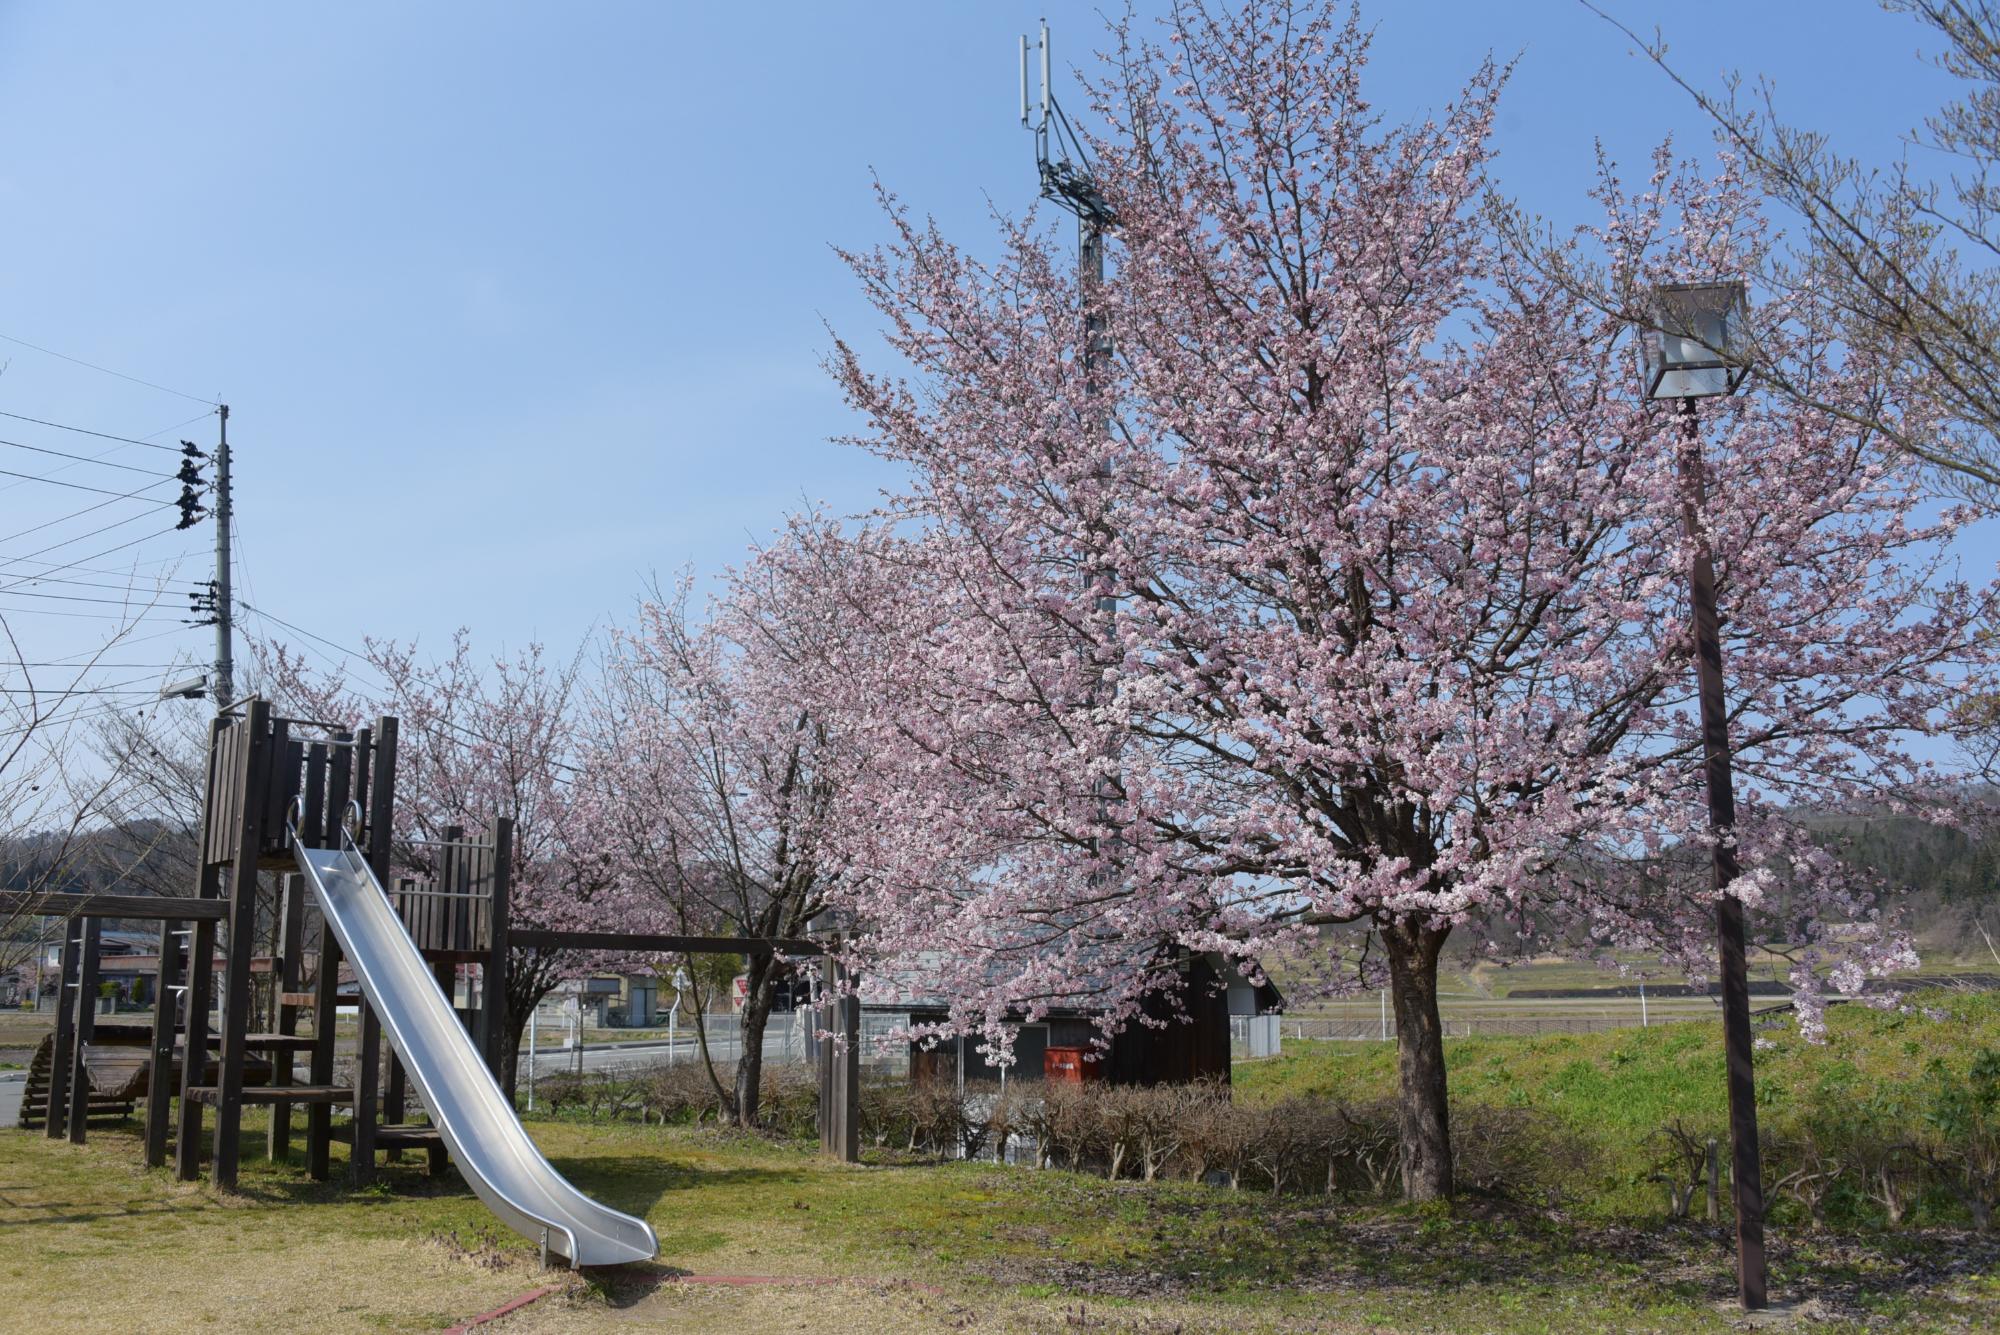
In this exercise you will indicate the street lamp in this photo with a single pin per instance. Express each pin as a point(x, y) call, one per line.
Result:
point(188, 688)
point(1692, 347)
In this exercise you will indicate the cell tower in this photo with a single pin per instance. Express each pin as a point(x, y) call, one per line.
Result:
point(1063, 165)
point(1060, 158)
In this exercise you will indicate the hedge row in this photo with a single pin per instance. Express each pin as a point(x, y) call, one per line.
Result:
point(1854, 1160)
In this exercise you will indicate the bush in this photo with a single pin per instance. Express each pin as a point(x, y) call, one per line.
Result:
point(788, 1100)
point(1960, 1135)
point(886, 1114)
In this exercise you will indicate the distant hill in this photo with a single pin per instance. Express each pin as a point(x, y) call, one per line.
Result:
point(1946, 880)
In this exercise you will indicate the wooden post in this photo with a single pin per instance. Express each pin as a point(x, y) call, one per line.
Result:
point(217, 801)
point(55, 1116)
point(1745, 1170)
point(367, 1092)
point(367, 1068)
point(166, 1013)
point(1714, 1183)
point(194, 1046)
point(326, 976)
point(255, 780)
point(291, 941)
point(86, 1026)
point(840, 1069)
point(493, 980)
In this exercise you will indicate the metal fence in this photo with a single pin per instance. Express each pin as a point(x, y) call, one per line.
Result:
point(1254, 1036)
point(789, 1037)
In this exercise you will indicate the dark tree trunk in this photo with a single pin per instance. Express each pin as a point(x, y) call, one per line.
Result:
point(760, 993)
point(531, 976)
point(510, 1051)
point(1423, 1115)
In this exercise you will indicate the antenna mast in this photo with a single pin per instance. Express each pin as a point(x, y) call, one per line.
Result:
point(1060, 158)
point(1063, 165)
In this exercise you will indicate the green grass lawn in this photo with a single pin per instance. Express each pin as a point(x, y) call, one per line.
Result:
point(93, 1241)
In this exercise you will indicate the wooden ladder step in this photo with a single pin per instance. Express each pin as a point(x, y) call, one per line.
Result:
point(407, 1137)
point(279, 1042)
point(393, 1138)
point(295, 999)
point(279, 1093)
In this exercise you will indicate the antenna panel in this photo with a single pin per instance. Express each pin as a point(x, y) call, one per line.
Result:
point(1024, 79)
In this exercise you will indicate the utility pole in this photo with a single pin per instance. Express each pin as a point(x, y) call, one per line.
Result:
point(224, 693)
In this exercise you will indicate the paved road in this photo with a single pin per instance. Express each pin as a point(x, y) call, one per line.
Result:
point(648, 1053)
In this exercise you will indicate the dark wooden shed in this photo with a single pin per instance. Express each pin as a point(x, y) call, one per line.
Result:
point(1183, 1049)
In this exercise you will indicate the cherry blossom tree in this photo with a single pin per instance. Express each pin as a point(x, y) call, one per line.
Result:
point(1349, 589)
point(478, 739)
point(712, 784)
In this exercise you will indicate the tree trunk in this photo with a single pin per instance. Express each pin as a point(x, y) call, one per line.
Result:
point(531, 976)
point(1422, 1113)
point(760, 990)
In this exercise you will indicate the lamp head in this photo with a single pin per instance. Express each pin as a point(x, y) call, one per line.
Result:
point(1694, 343)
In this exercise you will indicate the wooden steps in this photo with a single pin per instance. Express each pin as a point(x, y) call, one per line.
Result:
point(125, 1072)
point(102, 1107)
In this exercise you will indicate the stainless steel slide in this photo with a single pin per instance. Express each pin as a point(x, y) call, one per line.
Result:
point(487, 1141)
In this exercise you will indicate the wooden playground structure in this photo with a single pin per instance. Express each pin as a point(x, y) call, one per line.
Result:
point(251, 939)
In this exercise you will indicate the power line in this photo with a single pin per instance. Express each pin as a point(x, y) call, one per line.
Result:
point(93, 616)
point(90, 666)
point(63, 356)
point(301, 630)
point(94, 712)
point(78, 514)
point(117, 642)
point(81, 598)
point(80, 486)
point(153, 691)
point(128, 642)
point(145, 440)
point(99, 570)
point(15, 560)
point(92, 584)
point(458, 728)
point(100, 460)
point(106, 435)
point(116, 688)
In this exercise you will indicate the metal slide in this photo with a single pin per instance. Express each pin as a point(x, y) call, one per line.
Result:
point(487, 1141)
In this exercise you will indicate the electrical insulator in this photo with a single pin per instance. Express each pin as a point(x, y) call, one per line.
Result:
point(191, 480)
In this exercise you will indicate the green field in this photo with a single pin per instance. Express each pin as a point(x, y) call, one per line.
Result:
point(96, 1242)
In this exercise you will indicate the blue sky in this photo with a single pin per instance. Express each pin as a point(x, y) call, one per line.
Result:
point(516, 304)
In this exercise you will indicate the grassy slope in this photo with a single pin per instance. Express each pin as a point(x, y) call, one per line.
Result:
point(1613, 1089)
point(95, 1242)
